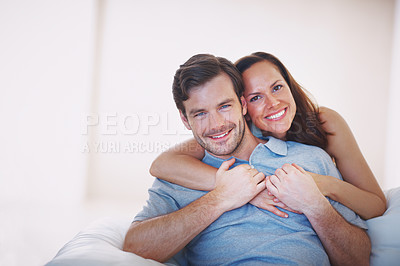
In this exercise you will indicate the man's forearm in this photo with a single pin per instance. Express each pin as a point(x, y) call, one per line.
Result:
point(162, 237)
point(344, 243)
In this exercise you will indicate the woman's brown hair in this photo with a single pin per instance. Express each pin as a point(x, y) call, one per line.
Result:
point(306, 126)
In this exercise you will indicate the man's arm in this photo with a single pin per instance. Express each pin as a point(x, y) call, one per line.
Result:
point(344, 243)
point(162, 237)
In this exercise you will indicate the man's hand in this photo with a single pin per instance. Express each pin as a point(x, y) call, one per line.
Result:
point(237, 186)
point(292, 185)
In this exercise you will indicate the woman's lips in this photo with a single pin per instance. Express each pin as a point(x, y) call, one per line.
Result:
point(277, 115)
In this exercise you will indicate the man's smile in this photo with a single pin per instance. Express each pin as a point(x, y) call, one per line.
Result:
point(220, 135)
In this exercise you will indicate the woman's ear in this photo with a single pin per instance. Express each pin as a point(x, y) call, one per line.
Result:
point(184, 120)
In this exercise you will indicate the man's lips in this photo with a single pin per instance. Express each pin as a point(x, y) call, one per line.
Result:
point(277, 115)
point(220, 135)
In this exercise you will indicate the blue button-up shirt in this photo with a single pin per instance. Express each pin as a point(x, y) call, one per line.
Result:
point(249, 235)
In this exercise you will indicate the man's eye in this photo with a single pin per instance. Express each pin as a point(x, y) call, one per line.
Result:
point(255, 98)
point(277, 88)
point(199, 114)
point(225, 106)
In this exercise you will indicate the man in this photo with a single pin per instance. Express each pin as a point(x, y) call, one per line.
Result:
point(220, 227)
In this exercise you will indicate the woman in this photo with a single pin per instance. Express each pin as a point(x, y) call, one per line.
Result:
point(278, 106)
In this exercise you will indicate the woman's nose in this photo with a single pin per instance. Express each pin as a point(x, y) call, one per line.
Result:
point(271, 102)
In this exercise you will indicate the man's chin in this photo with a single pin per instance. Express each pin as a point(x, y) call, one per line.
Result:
point(221, 152)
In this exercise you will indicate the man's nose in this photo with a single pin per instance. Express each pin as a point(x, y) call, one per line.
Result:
point(217, 119)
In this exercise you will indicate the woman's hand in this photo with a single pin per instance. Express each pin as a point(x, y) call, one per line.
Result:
point(265, 200)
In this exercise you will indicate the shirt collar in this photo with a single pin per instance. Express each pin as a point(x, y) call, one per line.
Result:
point(216, 162)
point(276, 145)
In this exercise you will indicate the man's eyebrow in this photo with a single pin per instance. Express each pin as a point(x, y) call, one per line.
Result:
point(194, 111)
point(229, 100)
point(226, 101)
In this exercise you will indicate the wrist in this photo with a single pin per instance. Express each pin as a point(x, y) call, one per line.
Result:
point(330, 187)
point(326, 184)
point(216, 201)
point(318, 209)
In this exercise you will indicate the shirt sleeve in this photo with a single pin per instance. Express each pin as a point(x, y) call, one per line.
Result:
point(160, 202)
point(349, 215)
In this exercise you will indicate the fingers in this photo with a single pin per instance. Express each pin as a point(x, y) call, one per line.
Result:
point(274, 180)
point(253, 172)
point(261, 186)
point(270, 186)
point(226, 165)
point(280, 173)
point(259, 177)
point(288, 168)
point(299, 168)
point(277, 212)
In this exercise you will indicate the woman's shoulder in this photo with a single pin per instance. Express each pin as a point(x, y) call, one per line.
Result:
point(340, 137)
point(331, 120)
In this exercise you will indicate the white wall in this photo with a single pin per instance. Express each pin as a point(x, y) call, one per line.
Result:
point(392, 175)
point(45, 79)
point(339, 50)
point(65, 61)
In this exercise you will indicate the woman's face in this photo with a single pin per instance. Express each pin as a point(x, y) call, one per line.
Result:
point(270, 103)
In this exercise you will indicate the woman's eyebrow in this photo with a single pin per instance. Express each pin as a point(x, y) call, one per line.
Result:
point(273, 84)
point(257, 92)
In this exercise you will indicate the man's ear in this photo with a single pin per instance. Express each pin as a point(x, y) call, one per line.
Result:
point(244, 105)
point(184, 120)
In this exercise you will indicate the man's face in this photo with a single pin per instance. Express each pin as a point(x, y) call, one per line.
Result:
point(215, 116)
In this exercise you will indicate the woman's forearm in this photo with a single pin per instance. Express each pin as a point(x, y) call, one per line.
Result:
point(184, 170)
point(366, 204)
point(360, 190)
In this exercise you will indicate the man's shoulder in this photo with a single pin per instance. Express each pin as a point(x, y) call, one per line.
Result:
point(312, 158)
point(162, 185)
point(296, 147)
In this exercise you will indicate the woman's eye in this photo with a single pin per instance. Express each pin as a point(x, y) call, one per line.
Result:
point(277, 88)
point(255, 98)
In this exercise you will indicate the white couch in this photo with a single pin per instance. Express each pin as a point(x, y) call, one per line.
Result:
point(101, 242)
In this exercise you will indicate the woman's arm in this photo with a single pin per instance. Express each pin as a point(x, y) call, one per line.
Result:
point(360, 191)
point(182, 165)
